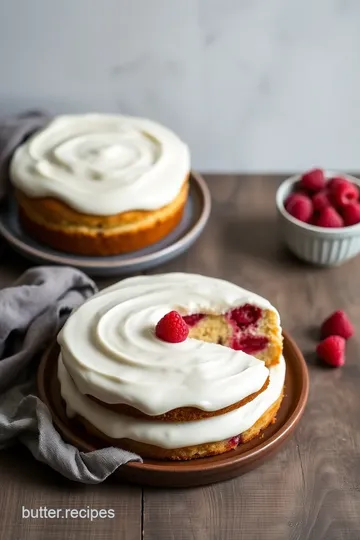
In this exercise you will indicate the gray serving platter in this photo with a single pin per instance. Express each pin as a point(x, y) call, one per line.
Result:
point(196, 215)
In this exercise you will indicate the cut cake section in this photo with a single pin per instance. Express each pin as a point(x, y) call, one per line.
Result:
point(246, 328)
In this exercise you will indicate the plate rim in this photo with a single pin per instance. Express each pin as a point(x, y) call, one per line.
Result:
point(229, 461)
point(98, 263)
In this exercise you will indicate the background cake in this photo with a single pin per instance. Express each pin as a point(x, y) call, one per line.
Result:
point(101, 184)
point(182, 400)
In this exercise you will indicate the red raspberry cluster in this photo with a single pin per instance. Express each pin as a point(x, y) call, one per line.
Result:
point(324, 203)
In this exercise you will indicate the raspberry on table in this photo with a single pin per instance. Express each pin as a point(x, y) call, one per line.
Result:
point(172, 328)
point(332, 351)
point(313, 180)
point(343, 194)
point(337, 324)
point(329, 218)
point(299, 206)
point(351, 214)
point(321, 200)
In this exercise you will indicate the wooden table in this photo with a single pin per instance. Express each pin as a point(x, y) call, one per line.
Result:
point(310, 489)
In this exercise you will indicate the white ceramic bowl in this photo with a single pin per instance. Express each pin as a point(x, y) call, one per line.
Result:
point(317, 245)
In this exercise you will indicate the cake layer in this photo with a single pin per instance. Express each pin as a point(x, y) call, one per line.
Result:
point(170, 435)
point(102, 165)
point(182, 414)
point(195, 451)
point(55, 213)
point(112, 353)
point(57, 225)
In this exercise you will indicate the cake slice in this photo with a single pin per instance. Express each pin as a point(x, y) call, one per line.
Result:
point(246, 328)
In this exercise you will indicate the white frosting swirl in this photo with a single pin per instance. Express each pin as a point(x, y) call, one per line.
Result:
point(110, 349)
point(102, 164)
point(168, 434)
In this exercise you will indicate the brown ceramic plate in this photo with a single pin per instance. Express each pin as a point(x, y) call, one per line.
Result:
point(199, 471)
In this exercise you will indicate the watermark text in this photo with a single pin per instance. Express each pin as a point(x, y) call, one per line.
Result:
point(45, 512)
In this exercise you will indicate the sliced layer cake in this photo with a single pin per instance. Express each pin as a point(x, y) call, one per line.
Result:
point(217, 387)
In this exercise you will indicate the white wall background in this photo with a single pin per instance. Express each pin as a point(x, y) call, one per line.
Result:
point(251, 85)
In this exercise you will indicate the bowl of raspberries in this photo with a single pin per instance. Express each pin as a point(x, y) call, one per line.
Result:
point(319, 214)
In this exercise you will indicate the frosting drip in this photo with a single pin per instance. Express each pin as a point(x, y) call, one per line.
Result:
point(102, 164)
point(167, 434)
point(110, 349)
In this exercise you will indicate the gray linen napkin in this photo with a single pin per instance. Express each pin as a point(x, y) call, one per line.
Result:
point(31, 313)
point(13, 131)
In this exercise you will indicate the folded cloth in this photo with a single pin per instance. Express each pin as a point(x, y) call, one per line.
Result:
point(13, 131)
point(31, 313)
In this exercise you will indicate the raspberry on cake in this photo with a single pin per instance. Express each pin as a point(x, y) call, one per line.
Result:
point(130, 374)
point(99, 184)
point(172, 328)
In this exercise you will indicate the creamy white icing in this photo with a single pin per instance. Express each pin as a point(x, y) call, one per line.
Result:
point(110, 349)
point(167, 434)
point(102, 164)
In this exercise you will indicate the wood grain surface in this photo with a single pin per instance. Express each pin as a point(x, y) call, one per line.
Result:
point(310, 490)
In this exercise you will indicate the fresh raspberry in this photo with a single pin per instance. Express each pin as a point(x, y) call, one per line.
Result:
point(191, 320)
point(172, 328)
point(293, 197)
point(321, 200)
point(343, 194)
point(337, 324)
point(332, 351)
point(336, 181)
point(313, 180)
point(351, 214)
point(329, 218)
point(299, 206)
point(245, 315)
